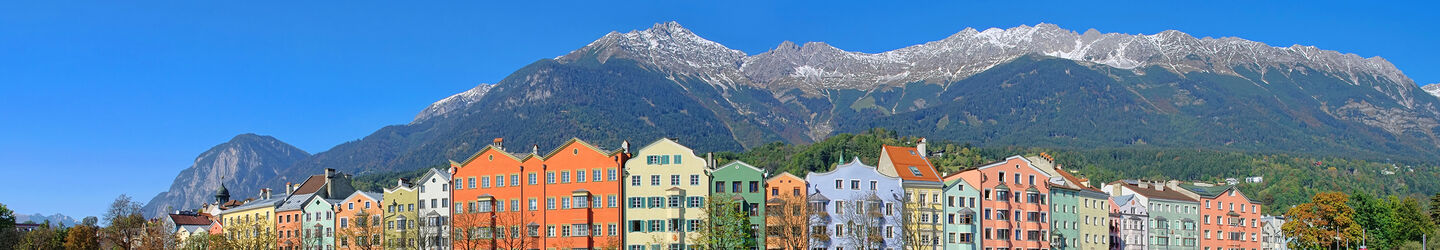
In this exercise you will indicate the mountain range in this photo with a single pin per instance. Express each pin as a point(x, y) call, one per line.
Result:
point(57, 220)
point(1028, 86)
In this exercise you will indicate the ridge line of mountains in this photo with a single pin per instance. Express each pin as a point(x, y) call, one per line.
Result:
point(1036, 85)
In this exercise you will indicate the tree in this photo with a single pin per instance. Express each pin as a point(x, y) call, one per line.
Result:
point(861, 218)
point(363, 232)
point(467, 228)
point(788, 222)
point(44, 237)
point(514, 222)
point(726, 224)
point(126, 223)
point(1322, 222)
point(83, 237)
point(916, 233)
point(8, 236)
point(156, 235)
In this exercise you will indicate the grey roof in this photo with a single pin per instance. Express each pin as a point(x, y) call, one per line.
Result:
point(256, 204)
point(1121, 200)
point(818, 197)
point(294, 202)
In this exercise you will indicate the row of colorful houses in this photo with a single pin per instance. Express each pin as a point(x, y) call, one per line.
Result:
point(663, 196)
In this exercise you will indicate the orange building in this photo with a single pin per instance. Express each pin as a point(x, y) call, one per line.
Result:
point(568, 198)
point(287, 222)
point(786, 219)
point(1229, 219)
point(1015, 212)
point(358, 220)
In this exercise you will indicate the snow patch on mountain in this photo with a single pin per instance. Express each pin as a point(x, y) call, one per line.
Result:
point(1433, 89)
point(453, 103)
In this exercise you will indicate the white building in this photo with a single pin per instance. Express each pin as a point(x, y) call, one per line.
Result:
point(434, 211)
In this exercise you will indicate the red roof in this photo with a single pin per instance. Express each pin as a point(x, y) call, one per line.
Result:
point(905, 158)
point(186, 219)
point(1074, 180)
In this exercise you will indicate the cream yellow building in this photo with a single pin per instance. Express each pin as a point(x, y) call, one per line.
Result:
point(252, 224)
point(665, 187)
point(921, 223)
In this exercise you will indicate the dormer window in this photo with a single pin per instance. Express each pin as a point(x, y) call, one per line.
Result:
point(915, 171)
point(912, 152)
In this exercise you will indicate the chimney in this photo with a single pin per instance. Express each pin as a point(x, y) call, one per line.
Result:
point(921, 148)
point(264, 193)
point(499, 143)
point(1173, 184)
point(534, 149)
point(400, 183)
point(1143, 183)
point(329, 189)
point(625, 145)
point(289, 188)
point(710, 160)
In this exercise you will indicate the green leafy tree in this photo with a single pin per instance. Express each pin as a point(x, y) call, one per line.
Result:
point(126, 223)
point(726, 225)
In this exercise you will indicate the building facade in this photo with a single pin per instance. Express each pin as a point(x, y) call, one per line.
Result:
point(568, 198)
point(252, 224)
point(1229, 220)
point(1174, 216)
point(434, 195)
point(358, 221)
point(854, 206)
point(318, 223)
point(787, 220)
point(288, 218)
point(1015, 213)
point(401, 216)
point(961, 203)
point(923, 227)
point(665, 189)
point(1129, 220)
point(1271, 237)
point(744, 184)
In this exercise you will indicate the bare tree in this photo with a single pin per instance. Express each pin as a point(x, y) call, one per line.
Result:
point(515, 237)
point(362, 232)
point(917, 223)
point(249, 234)
point(862, 221)
point(157, 235)
point(788, 222)
point(126, 223)
point(467, 227)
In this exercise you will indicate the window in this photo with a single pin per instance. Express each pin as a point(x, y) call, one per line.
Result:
point(652, 159)
point(855, 184)
point(674, 180)
point(654, 180)
point(514, 179)
point(612, 174)
point(694, 180)
point(550, 177)
point(695, 201)
point(637, 202)
point(754, 186)
point(531, 178)
point(873, 185)
point(634, 181)
point(677, 159)
point(1002, 176)
point(719, 187)
point(564, 202)
point(673, 201)
point(664, 159)
point(839, 184)
point(611, 201)
point(472, 182)
point(735, 187)
point(532, 205)
point(550, 203)
point(596, 176)
point(1032, 179)
point(580, 176)
point(484, 182)
point(582, 201)
point(915, 171)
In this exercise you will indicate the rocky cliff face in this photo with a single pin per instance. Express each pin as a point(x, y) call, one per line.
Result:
point(245, 164)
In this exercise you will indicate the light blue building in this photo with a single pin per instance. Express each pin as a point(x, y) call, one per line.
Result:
point(855, 207)
point(961, 201)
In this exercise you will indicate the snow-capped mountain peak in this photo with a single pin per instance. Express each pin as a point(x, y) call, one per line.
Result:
point(1433, 89)
point(455, 102)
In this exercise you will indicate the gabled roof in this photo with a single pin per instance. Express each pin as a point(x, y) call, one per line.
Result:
point(1207, 191)
point(740, 165)
point(190, 219)
point(1150, 192)
point(372, 195)
point(434, 172)
point(1014, 157)
point(294, 202)
point(783, 174)
point(270, 203)
point(906, 157)
point(587, 145)
point(311, 185)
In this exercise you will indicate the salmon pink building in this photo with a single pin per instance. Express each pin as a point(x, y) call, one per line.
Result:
point(1014, 211)
point(568, 198)
point(1229, 220)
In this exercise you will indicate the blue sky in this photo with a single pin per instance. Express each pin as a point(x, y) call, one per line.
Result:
point(100, 99)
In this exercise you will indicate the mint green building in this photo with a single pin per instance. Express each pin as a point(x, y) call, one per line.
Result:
point(961, 201)
point(746, 182)
point(318, 220)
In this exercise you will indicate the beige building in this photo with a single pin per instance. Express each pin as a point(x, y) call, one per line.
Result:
point(665, 186)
